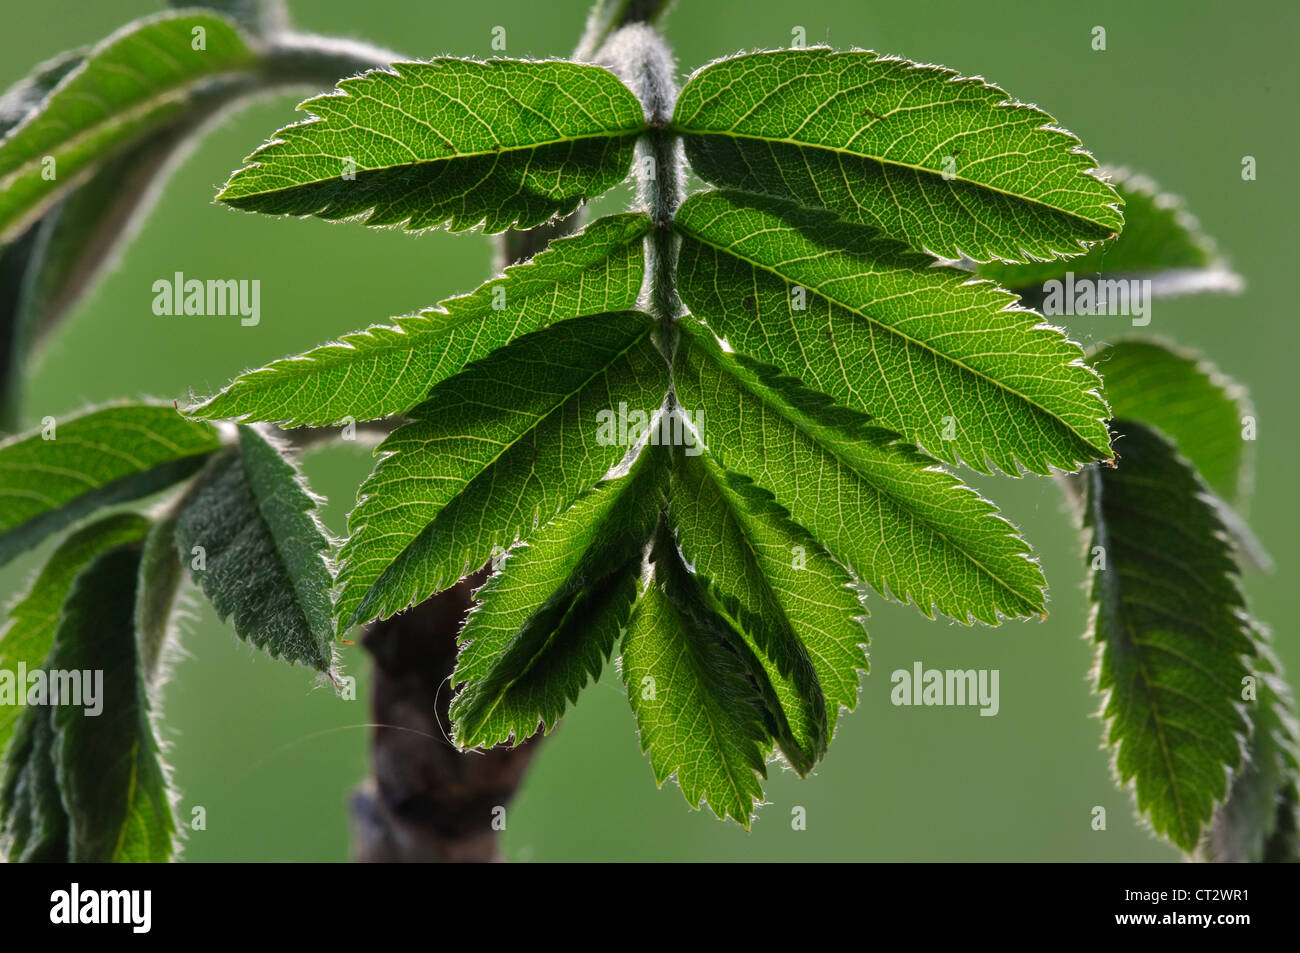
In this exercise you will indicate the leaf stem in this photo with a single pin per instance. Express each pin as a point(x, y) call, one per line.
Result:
point(640, 57)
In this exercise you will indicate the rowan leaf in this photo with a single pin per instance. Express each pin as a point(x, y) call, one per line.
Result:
point(548, 620)
point(31, 621)
point(502, 143)
point(109, 769)
point(495, 451)
point(135, 82)
point(883, 509)
point(16, 257)
point(1161, 242)
point(258, 551)
point(387, 369)
point(1171, 632)
point(98, 458)
point(951, 165)
point(948, 362)
point(1187, 399)
point(697, 710)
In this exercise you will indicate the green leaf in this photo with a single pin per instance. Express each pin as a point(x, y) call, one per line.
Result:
point(947, 362)
point(506, 143)
point(697, 710)
point(133, 83)
point(1161, 241)
point(1257, 822)
point(156, 590)
point(263, 561)
point(496, 451)
point(795, 607)
point(1188, 400)
point(385, 370)
point(883, 509)
point(549, 619)
point(113, 781)
point(28, 633)
point(101, 457)
point(1171, 631)
point(950, 165)
point(34, 821)
point(16, 258)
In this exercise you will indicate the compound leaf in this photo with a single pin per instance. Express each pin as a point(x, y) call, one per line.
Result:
point(504, 143)
point(881, 507)
point(495, 452)
point(130, 85)
point(949, 363)
point(262, 551)
point(951, 165)
point(1171, 633)
point(697, 709)
point(101, 457)
point(385, 370)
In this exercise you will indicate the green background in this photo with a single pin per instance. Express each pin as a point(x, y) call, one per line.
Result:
point(1182, 93)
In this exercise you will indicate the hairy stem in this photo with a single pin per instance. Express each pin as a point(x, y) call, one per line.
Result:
point(319, 61)
point(638, 55)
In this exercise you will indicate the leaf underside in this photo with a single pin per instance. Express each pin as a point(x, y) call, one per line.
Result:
point(502, 143)
point(1258, 820)
point(101, 457)
point(261, 559)
point(441, 500)
point(109, 767)
point(882, 508)
point(386, 370)
point(1172, 635)
point(28, 634)
point(876, 139)
point(1160, 241)
point(1188, 400)
point(84, 781)
point(697, 709)
point(134, 83)
point(947, 362)
point(551, 617)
